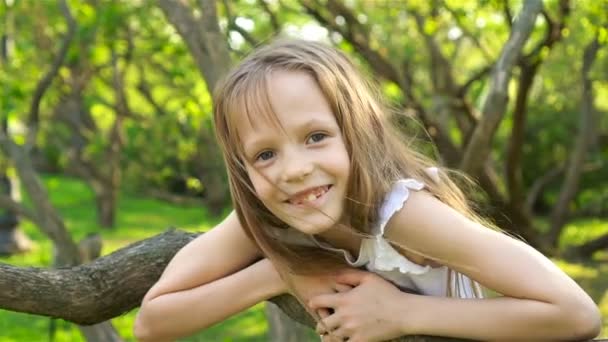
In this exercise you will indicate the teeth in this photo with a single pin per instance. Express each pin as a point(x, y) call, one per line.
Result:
point(309, 197)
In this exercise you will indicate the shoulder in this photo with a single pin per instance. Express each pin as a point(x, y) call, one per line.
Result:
point(433, 228)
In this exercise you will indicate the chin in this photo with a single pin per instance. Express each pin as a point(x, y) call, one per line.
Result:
point(313, 227)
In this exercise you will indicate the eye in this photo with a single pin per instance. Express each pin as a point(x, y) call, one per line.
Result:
point(264, 156)
point(316, 137)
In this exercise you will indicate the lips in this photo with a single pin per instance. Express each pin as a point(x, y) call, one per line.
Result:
point(309, 196)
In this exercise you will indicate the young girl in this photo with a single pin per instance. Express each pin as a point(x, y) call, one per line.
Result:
point(322, 185)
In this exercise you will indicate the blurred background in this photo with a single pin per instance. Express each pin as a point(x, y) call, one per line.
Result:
point(106, 134)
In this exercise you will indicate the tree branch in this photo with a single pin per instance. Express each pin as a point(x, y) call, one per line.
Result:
point(495, 104)
point(588, 120)
point(274, 21)
point(232, 25)
point(466, 31)
point(45, 82)
point(111, 285)
point(202, 37)
point(6, 202)
point(529, 66)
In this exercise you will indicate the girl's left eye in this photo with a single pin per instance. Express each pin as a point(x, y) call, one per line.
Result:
point(316, 137)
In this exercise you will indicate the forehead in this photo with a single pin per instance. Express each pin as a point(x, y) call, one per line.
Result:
point(284, 100)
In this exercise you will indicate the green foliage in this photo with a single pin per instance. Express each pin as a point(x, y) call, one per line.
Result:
point(162, 138)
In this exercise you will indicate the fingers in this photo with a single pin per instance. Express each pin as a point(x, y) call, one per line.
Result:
point(333, 338)
point(342, 287)
point(324, 301)
point(352, 277)
point(323, 312)
point(328, 324)
point(322, 329)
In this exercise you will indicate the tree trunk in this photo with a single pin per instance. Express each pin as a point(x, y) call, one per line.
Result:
point(44, 214)
point(209, 48)
point(106, 204)
point(101, 332)
point(569, 188)
point(494, 106)
point(12, 239)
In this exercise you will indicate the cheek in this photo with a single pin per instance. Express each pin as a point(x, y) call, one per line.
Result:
point(341, 162)
point(262, 187)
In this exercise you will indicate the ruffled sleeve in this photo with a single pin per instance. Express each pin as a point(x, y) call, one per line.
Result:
point(394, 200)
point(386, 258)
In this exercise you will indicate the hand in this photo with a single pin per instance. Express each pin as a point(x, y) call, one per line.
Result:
point(310, 286)
point(324, 313)
point(373, 310)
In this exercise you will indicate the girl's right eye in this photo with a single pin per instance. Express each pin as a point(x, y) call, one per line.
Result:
point(264, 156)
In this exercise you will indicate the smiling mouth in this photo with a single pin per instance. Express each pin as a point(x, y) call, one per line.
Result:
point(309, 196)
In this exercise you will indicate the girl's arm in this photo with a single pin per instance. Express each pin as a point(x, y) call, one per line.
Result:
point(208, 280)
point(540, 301)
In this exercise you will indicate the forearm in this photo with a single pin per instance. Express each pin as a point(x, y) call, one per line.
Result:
point(496, 319)
point(180, 314)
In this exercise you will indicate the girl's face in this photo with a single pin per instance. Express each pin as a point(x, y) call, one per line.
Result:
point(297, 161)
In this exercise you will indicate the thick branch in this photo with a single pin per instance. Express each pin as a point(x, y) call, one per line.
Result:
point(202, 37)
point(495, 104)
point(94, 292)
point(529, 65)
point(110, 286)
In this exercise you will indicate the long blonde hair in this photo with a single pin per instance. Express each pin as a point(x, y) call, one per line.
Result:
point(379, 154)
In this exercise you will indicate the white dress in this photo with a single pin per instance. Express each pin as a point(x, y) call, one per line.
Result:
point(378, 256)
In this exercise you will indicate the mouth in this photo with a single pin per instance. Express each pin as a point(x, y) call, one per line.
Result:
point(310, 196)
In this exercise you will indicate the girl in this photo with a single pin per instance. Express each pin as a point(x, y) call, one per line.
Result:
point(322, 185)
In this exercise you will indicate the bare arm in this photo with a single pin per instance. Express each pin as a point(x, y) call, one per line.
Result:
point(540, 301)
point(207, 281)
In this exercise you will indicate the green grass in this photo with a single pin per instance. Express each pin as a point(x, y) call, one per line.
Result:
point(140, 217)
point(137, 218)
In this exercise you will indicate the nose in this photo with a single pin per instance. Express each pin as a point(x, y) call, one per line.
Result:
point(296, 167)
